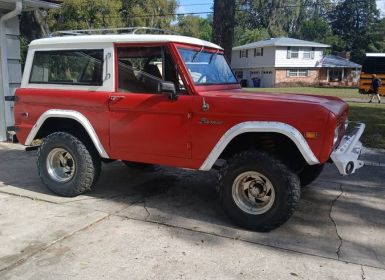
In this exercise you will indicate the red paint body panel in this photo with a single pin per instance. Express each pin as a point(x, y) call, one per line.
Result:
point(151, 128)
point(92, 104)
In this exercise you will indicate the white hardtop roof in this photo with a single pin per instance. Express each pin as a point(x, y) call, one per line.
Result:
point(281, 42)
point(121, 38)
point(375, 54)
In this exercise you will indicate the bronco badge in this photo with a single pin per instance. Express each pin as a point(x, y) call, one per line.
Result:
point(206, 121)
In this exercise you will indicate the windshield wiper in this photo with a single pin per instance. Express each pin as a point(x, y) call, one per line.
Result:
point(211, 57)
point(196, 54)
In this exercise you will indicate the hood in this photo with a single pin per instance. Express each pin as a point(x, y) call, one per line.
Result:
point(332, 104)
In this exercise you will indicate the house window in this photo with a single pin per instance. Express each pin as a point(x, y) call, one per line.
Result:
point(308, 53)
point(243, 53)
point(335, 75)
point(297, 73)
point(239, 75)
point(292, 52)
point(258, 52)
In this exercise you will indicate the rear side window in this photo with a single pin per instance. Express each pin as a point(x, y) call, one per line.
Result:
point(72, 67)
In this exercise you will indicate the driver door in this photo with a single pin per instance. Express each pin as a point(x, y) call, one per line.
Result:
point(145, 125)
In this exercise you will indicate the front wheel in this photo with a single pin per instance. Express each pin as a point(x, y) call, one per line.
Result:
point(258, 191)
point(66, 165)
point(310, 173)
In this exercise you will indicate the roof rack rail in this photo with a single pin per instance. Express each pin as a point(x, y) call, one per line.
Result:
point(104, 31)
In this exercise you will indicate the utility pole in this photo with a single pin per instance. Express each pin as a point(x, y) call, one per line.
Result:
point(223, 25)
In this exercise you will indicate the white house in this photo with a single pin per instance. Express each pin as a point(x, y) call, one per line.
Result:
point(278, 61)
point(10, 70)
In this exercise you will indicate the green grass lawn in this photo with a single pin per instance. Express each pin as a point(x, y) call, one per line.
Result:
point(373, 115)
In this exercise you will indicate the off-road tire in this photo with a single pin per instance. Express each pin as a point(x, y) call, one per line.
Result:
point(88, 164)
point(310, 173)
point(285, 182)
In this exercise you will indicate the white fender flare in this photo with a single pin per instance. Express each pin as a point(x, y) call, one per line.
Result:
point(261, 126)
point(68, 114)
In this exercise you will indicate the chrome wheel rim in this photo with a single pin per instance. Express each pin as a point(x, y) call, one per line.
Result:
point(61, 165)
point(253, 193)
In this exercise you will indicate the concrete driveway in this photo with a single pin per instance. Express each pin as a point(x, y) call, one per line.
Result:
point(167, 224)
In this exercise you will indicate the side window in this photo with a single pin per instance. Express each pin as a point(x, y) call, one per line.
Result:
point(73, 67)
point(141, 69)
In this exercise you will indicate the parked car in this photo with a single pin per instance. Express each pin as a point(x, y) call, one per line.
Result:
point(173, 100)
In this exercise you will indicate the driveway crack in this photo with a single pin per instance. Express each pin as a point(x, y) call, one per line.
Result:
point(23, 259)
point(145, 208)
point(338, 251)
point(363, 277)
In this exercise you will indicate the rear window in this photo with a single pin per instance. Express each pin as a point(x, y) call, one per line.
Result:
point(72, 67)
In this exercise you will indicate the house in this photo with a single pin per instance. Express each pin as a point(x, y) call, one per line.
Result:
point(339, 71)
point(10, 70)
point(278, 62)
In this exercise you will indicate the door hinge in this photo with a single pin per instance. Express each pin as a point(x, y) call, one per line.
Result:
point(11, 98)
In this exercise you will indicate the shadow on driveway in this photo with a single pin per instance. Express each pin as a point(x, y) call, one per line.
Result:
point(333, 220)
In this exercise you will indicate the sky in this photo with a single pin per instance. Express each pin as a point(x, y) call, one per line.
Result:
point(381, 7)
point(197, 6)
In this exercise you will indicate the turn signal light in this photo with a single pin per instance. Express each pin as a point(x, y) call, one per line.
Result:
point(311, 134)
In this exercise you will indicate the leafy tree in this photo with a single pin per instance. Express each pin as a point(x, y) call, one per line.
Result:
point(86, 14)
point(150, 13)
point(195, 26)
point(355, 22)
point(318, 30)
point(245, 36)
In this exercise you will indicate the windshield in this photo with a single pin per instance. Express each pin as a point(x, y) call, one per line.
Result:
point(207, 68)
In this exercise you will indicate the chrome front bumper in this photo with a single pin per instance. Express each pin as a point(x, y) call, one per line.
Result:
point(345, 157)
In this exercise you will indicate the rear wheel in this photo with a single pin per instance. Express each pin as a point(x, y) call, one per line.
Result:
point(66, 166)
point(258, 191)
point(309, 174)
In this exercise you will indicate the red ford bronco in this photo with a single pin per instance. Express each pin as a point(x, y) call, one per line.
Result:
point(173, 100)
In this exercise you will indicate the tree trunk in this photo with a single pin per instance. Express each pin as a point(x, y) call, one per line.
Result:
point(223, 25)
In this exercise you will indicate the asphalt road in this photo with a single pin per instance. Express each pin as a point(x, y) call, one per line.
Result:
point(167, 224)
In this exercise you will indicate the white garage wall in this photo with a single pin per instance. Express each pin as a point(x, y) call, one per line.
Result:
point(14, 70)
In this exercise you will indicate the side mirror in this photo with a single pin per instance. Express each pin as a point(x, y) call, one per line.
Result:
point(169, 88)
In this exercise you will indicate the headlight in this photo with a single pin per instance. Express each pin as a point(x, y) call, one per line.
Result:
point(336, 134)
point(346, 123)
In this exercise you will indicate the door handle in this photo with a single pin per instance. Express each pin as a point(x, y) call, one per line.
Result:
point(115, 98)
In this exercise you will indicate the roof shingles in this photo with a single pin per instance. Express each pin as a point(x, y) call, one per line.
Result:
point(281, 42)
point(333, 61)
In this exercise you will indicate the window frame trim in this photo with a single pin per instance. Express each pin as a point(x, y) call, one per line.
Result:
point(297, 73)
point(65, 83)
point(207, 84)
point(307, 50)
point(170, 46)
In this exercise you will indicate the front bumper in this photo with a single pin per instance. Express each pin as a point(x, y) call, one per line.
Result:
point(345, 157)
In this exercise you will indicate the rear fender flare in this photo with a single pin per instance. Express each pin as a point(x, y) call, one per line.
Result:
point(69, 114)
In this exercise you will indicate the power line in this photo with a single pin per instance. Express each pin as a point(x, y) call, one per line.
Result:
point(240, 10)
point(188, 5)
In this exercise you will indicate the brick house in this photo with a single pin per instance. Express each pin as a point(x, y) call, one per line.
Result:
point(278, 62)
